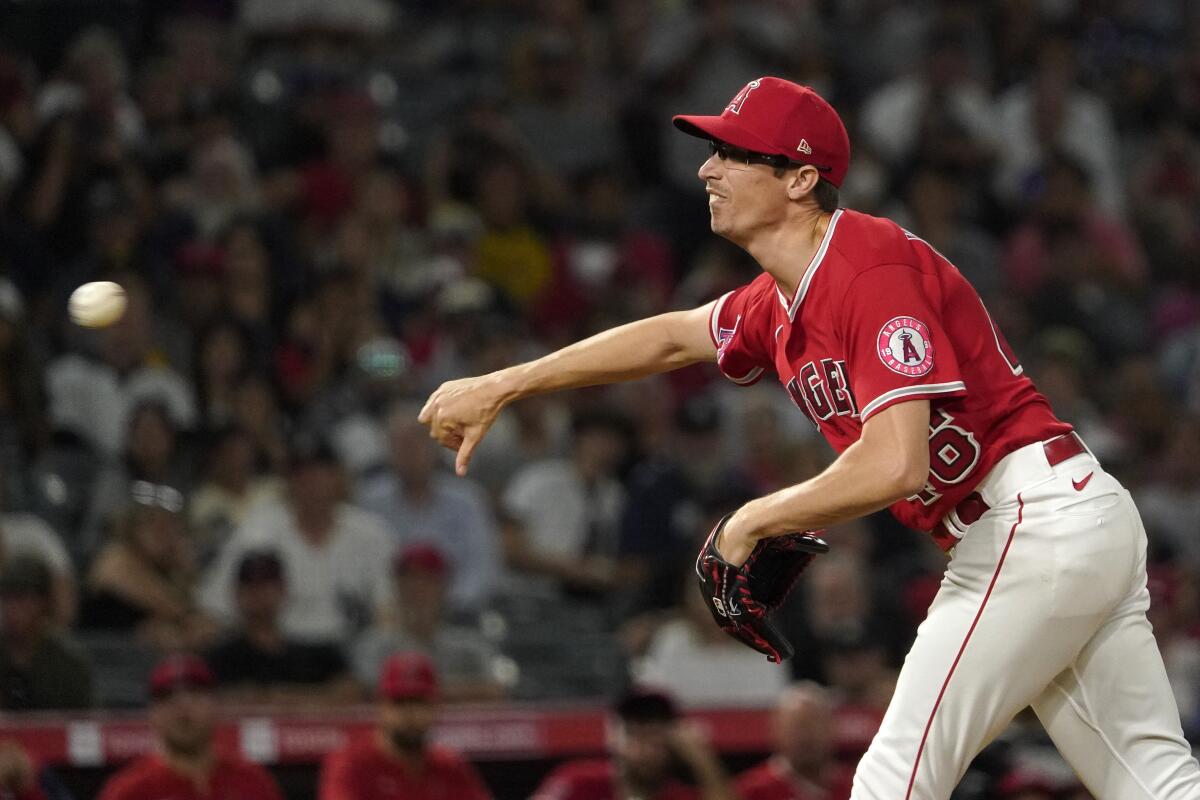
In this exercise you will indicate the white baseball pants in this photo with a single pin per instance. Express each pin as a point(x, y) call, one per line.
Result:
point(1043, 604)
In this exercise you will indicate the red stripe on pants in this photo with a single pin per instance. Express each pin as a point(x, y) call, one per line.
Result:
point(999, 565)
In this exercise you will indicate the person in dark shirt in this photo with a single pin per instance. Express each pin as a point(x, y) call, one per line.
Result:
point(258, 664)
point(39, 669)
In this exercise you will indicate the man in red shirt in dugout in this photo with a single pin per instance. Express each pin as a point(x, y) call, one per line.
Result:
point(183, 715)
point(802, 766)
point(397, 762)
point(655, 756)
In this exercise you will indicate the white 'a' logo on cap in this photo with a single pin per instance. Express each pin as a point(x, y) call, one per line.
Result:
point(804, 147)
point(735, 105)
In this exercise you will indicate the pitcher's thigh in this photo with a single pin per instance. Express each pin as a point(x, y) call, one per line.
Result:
point(1113, 717)
point(986, 650)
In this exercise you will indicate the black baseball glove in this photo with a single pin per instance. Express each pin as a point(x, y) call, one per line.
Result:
point(741, 599)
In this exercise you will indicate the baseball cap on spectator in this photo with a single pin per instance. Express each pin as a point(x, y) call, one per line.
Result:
point(180, 671)
point(642, 704)
point(259, 566)
point(408, 676)
point(420, 556)
point(780, 118)
point(25, 575)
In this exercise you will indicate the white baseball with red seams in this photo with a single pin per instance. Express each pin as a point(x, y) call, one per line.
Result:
point(1044, 598)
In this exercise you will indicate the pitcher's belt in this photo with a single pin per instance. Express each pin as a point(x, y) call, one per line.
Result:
point(973, 506)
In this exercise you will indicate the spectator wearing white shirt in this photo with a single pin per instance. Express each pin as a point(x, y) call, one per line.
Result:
point(923, 112)
point(564, 514)
point(1049, 112)
point(94, 397)
point(337, 557)
point(422, 503)
point(704, 666)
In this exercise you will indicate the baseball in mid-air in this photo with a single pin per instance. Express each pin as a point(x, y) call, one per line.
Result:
point(97, 304)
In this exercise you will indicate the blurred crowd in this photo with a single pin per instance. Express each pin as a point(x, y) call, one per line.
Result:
point(321, 211)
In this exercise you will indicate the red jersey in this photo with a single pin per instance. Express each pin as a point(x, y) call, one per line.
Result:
point(773, 779)
point(881, 317)
point(150, 777)
point(363, 771)
point(597, 780)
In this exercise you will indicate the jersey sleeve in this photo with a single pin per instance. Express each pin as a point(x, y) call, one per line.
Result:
point(737, 325)
point(895, 341)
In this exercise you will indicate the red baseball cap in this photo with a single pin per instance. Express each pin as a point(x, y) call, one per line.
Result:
point(778, 117)
point(180, 671)
point(408, 676)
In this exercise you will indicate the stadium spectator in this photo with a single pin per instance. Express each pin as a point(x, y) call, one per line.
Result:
point(565, 513)
point(22, 779)
point(802, 766)
point(222, 356)
point(257, 664)
point(143, 579)
point(397, 759)
point(23, 427)
point(704, 666)
point(1052, 111)
point(256, 410)
point(511, 254)
point(418, 623)
point(1173, 615)
point(938, 113)
point(1076, 265)
point(337, 557)
point(231, 487)
point(651, 746)
point(39, 668)
point(1170, 499)
point(152, 454)
point(856, 667)
point(422, 503)
point(188, 765)
point(93, 397)
point(26, 534)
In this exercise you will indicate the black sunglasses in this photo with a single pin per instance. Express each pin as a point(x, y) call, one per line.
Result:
point(725, 152)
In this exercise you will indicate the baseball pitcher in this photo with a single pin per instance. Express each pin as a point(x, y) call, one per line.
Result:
point(884, 346)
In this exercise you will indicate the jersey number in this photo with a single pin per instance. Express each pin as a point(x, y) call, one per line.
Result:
point(953, 453)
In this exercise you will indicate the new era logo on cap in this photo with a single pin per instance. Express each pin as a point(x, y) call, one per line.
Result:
point(770, 115)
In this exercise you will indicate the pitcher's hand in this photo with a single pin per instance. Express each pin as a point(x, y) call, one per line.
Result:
point(460, 412)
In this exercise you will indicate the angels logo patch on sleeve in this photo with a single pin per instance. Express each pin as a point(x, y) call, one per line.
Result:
point(905, 346)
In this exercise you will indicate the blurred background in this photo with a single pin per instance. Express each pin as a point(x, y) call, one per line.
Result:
point(320, 211)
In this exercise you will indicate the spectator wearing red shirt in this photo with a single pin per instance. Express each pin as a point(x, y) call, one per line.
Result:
point(655, 756)
point(802, 767)
point(183, 715)
point(398, 763)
